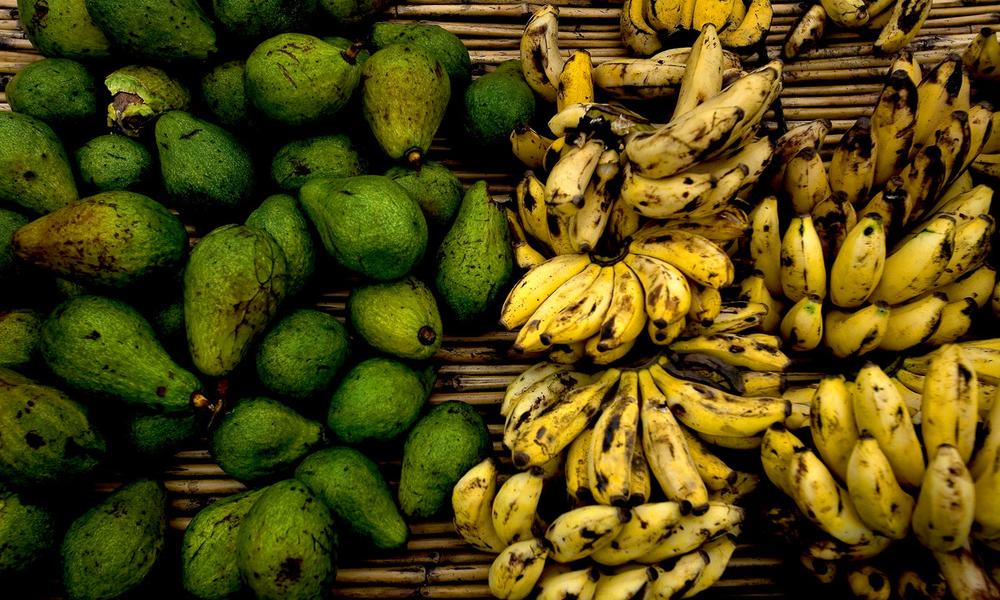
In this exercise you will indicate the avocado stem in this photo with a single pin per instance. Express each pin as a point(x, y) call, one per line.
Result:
point(427, 335)
point(414, 156)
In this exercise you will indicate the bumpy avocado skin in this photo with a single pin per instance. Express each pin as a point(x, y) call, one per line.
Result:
point(19, 334)
point(224, 94)
point(113, 548)
point(114, 163)
point(435, 188)
point(494, 105)
point(140, 94)
point(10, 222)
point(28, 534)
point(208, 570)
point(438, 41)
point(156, 30)
point(261, 437)
point(399, 318)
point(352, 12)
point(378, 400)
point(286, 546)
point(254, 19)
point(442, 446)
point(63, 28)
point(326, 156)
point(105, 348)
point(234, 283)
point(153, 436)
point(302, 355)
point(34, 169)
point(281, 216)
point(58, 91)
point(352, 487)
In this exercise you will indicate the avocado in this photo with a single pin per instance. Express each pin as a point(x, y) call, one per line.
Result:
point(475, 261)
point(113, 239)
point(441, 447)
point(299, 79)
point(152, 436)
point(280, 216)
point(113, 163)
point(28, 534)
point(378, 400)
point(105, 348)
point(435, 188)
point(324, 156)
point(494, 105)
point(157, 30)
point(224, 94)
point(47, 438)
point(34, 169)
point(19, 333)
point(62, 28)
point(302, 355)
point(369, 224)
point(58, 91)
point(140, 94)
point(234, 283)
point(436, 40)
point(208, 570)
point(286, 547)
point(352, 12)
point(113, 547)
point(10, 222)
point(205, 169)
point(399, 318)
point(168, 322)
point(260, 438)
point(255, 19)
point(352, 487)
point(405, 93)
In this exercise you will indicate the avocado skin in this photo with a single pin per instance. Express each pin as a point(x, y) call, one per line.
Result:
point(378, 400)
point(302, 355)
point(234, 283)
point(252, 19)
point(34, 169)
point(208, 570)
point(368, 224)
point(494, 105)
point(10, 222)
point(399, 318)
point(114, 546)
point(224, 94)
point(286, 546)
point(19, 333)
point(435, 188)
point(104, 347)
point(153, 436)
point(352, 12)
point(475, 260)
point(114, 163)
point(442, 44)
point(441, 447)
point(281, 217)
point(261, 437)
point(58, 91)
point(62, 28)
point(113, 239)
point(155, 30)
point(326, 156)
point(352, 487)
point(28, 534)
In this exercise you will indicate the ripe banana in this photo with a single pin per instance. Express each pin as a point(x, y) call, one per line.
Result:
point(471, 499)
point(869, 583)
point(699, 258)
point(987, 455)
point(734, 317)
point(667, 293)
point(568, 180)
point(580, 584)
point(515, 507)
point(914, 266)
point(622, 222)
point(527, 379)
point(811, 134)
point(637, 34)
point(568, 354)
point(806, 182)
point(833, 218)
point(913, 323)
point(575, 84)
point(976, 284)
point(530, 196)
point(847, 13)
point(582, 318)
point(904, 23)
point(757, 354)
point(969, 204)
point(537, 285)
point(525, 256)
point(719, 552)
point(859, 264)
point(677, 577)
point(966, 578)
point(626, 316)
point(613, 444)
point(942, 518)
point(949, 411)
point(765, 243)
point(716, 474)
point(981, 132)
point(987, 511)
point(857, 333)
point(943, 90)
point(806, 33)
point(754, 289)
point(802, 325)
point(541, 61)
point(665, 335)
point(529, 339)
point(823, 500)
point(624, 585)
point(777, 450)
point(529, 146)
point(692, 531)
point(893, 125)
point(879, 409)
point(538, 399)
point(956, 320)
point(826, 548)
point(691, 138)
point(751, 29)
point(803, 271)
point(982, 57)
point(666, 197)
point(516, 569)
point(597, 356)
point(578, 470)
point(852, 168)
point(972, 246)
point(589, 222)
point(582, 531)
point(880, 501)
point(703, 71)
point(640, 481)
point(649, 526)
point(706, 305)
point(832, 425)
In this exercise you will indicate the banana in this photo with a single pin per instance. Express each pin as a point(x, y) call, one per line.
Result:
point(913, 323)
point(649, 526)
point(638, 79)
point(471, 500)
point(914, 266)
point(529, 339)
point(906, 61)
point(582, 531)
point(666, 450)
point(806, 181)
point(847, 13)
point(622, 222)
point(905, 20)
point(734, 317)
point(699, 258)
point(703, 71)
point(666, 290)
point(662, 336)
point(869, 583)
point(987, 455)
point(981, 132)
point(803, 271)
point(852, 168)
point(516, 569)
point(567, 182)
point(802, 325)
point(943, 90)
point(537, 285)
point(755, 155)
point(877, 496)
point(972, 246)
point(777, 450)
point(637, 34)
point(716, 474)
point(668, 196)
point(552, 155)
point(987, 486)
point(983, 355)
point(826, 548)
point(613, 444)
point(541, 61)
point(582, 318)
point(590, 221)
point(824, 571)
point(706, 305)
point(942, 518)
point(711, 12)
point(575, 84)
point(765, 243)
point(890, 204)
point(755, 92)
point(982, 57)
point(578, 470)
point(597, 356)
point(640, 480)
point(525, 256)
point(893, 125)
point(751, 29)
point(754, 289)
point(733, 442)
point(744, 485)
point(832, 425)
point(678, 577)
point(624, 585)
point(572, 585)
point(691, 138)
point(949, 410)
point(530, 196)
point(806, 33)
point(833, 217)
point(667, 15)
point(922, 176)
point(987, 164)
point(911, 398)
point(538, 399)
point(726, 225)
point(739, 351)
point(856, 333)
point(879, 409)
point(626, 316)
point(953, 138)
point(976, 284)
point(529, 146)
point(966, 578)
point(974, 202)
point(962, 184)
point(823, 500)
point(515, 507)
point(692, 531)
point(719, 552)
point(811, 134)
point(527, 379)
point(568, 354)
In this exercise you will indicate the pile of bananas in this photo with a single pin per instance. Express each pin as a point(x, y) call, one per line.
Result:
point(864, 482)
point(898, 22)
point(741, 25)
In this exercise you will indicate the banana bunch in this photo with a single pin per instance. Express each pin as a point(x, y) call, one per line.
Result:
point(898, 22)
point(741, 25)
point(886, 462)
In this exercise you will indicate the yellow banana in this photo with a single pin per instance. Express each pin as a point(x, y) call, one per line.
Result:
point(525, 256)
point(893, 125)
point(777, 450)
point(613, 444)
point(736, 350)
point(856, 333)
point(942, 518)
point(735, 317)
point(832, 424)
point(693, 530)
point(880, 501)
point(719, 552)
point(943, 90)
point(538, 398)
point(578, 470)
point(982, 57)
point(962, 184)
point(529, 146)
point(847, 13)
point(987, 455)
point(582, 531)
point(913, 323)
point(913, 267)
point(981, 132)
point(949, 410)
point(552, 155)
point(650, 524)
point(667, 15)
point(754, 289)
point(802, 325)
point(802, 266)
point(661, 336)
point(691, 138)
point(640, 481)
point(516, 569)
point(582, 318)
point(529, 339)
point(765, 243)
point(743, 486)
point(568, 354)
point(622, 222)
point(879, 409)
point(751, 29)
point(833, 218)
point(530, 195)
point(905, 20)
point(568, 179)
point(869, 583)
point(706, 305)
point(638, 78)
point(972, 246)
point(828, 548)
point(541, 61)
point(703, 71)
point(677, 577)
point(811, 134)
point(575, 85)
point(515, 506)
point(906, 61)
point(626, 317)
point(974, 202)
point(711, 12)
point(590, 221)
point(581, 584)
point(666, 290)
point(852, 168)
point(987, 487)
point(823, 500)
point(806, 182)
point(528, 378)
point(965, 577)
point(956, 320)
point(890, 204)
point(624, 585)
point(471, 500)
point(699, 258)
point(537, 285)
point(806, 33)
point(716, 474)
point(636, 33)
point(976, 284)
point(755, 92)
point(666, 197)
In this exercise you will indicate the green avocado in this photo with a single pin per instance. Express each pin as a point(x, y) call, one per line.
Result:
point(254, 19)
point(105, 348)
point(62, 28)
point(494, 105)
point(234, 283)
point(286, 546)
point(441, 447)
point(114, 163)
point(19, 334)
point(114, 546)
point(34, 169)
point(352, 12)
point(280, 216)
point(378, 400)
point(47, 438)
point(324, 156)
point(436, 40)
point(152, 436)
point(113, 239)
point(302, 355)
point(475, 261)
point(208, 570)
point(28, 534)
point(205, 168)
point(352, 487)
point(58, 91)
point(10, 222)
point(260, 438)
point(399, 318)
point(435, 188)
point(224, 94)
point(368, 223)
point(158, 30)
point(140, 94)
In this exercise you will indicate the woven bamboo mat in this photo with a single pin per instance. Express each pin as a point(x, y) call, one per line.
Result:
point(839, 81)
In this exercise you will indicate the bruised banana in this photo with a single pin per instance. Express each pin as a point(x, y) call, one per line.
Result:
point(892, 125)
point(626, 317)
point(667, 292)
point(733, 317)
point(859, 264)
point(880, 501)
point(589, 222)
point(580, 584)
point(567, 182)
point(802, 325)
point(613, 444)
point(852, 168)
point(719, 552)
point(699, 258)
point(777, 450)
point(516, 569)
point(515, 506)
point(577, 470)
point(904, 23)
point(956, 321)
point(824, 501)
point(691, 531)
point(765, 243)
point(537, 285)
point(583, 531)
point(527, 379)
point(751, 29)
point(806, 33)
point(471, 500)
point(832, 424)
point(948, 410)
point(879, 409)
point(575, 84)
point(541, 61)
point(913, 323)
point(525, 256)
point(809, 134)
point(582, 319)
point(624, 585)
point(674, 579)
point(856, 333)
point(915, 266)
point(529, 338)
point(754, 289)
point(757, 354)
point(945, 510)
point(650, 524)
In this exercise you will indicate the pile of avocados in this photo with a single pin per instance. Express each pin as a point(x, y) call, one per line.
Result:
point(183, 185)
